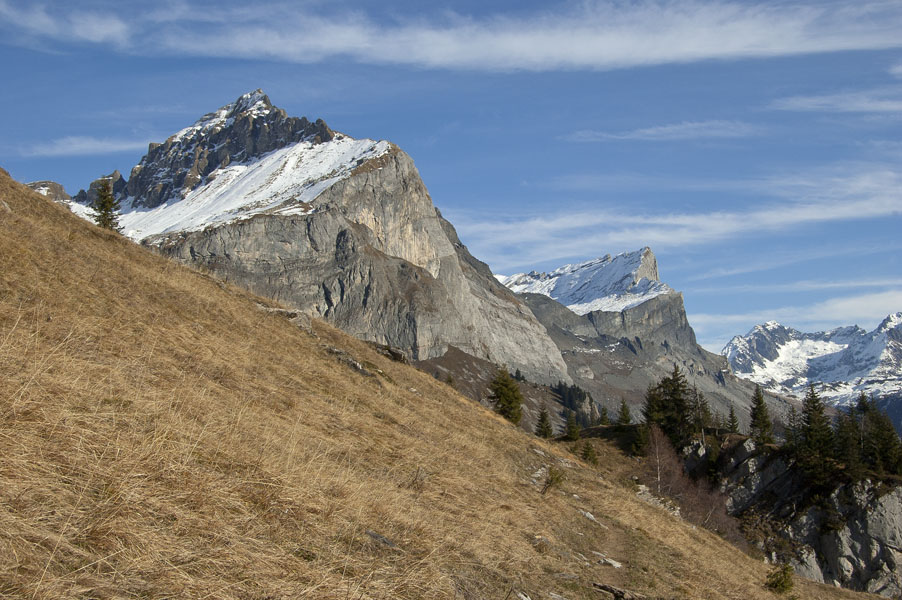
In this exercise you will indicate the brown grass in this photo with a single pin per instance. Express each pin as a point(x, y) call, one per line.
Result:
point(161, 437)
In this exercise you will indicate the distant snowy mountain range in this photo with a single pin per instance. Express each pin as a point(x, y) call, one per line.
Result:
point(842, 362)
point(610, 283)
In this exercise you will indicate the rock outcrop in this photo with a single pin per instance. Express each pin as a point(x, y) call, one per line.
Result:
point(50, 189)
point(852, 537)
point(343, 229)
point(636, 340)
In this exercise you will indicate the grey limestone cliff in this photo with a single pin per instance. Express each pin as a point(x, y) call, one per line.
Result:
point(852, 537)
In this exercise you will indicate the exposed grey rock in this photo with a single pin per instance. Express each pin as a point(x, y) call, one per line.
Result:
point(616, 355)
point(247, 128)
point(852, 539)
point(51, 190)
point(378, 260)
point(88, 197)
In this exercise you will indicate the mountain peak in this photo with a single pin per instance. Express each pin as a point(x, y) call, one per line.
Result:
point(608, 283)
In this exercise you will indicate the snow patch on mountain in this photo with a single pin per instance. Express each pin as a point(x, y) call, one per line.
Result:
point(843, 362)
point(285, 181)
point(609, 283)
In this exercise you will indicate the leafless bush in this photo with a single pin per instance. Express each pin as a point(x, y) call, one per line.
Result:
point(699, 503)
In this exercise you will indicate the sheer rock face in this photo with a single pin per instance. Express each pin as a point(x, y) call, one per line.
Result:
point(377, 259)
point(618, 354)
point(852, 539)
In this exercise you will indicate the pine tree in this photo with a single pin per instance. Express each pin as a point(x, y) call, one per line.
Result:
point(603, 418)
point(761, 428)
point(624, 418)
point(881, 449)
point(816, 443)
point(700, 414)
point(572, 431)
point(589, 454)
point(506, 396)
point(793, 429)
point(847, 441)
point(732, 421)
point(543, 426)
point(106, 207)
point(667, 405)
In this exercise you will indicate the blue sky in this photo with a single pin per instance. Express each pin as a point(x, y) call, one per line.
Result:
point(755, 146)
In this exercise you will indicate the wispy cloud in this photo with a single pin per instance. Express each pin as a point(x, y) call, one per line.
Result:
point(596, 34)
point(65, 25)
point(802, 286)
point(814, 198)
point(687, 130)
point(887, 100)
point(866, 310)
point(896, 70)
point(84, 145)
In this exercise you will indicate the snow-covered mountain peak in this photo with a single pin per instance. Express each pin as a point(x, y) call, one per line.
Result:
point(609, 283)
point(244, 159)
point(843, 361)
point(252, 104)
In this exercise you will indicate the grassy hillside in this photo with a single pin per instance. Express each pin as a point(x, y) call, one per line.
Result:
point(161, 437)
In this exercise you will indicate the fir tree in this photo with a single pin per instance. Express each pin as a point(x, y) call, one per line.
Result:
point(624, 418)
point(793, 429)
point(506, 396)
point(700, 414)
point(572, 431)
point(603, 418)
point(881, 450)
point(589, 454)
point(761, 428)
point(106, 207)
point(732, 421)
point(816, 443)
point(847, 442)
point(667, 405)
point(543, 426)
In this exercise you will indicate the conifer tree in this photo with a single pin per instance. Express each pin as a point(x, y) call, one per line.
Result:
point(700, 414)
point(506, 396)
point(603, 418)
point(847, 441)
point(667, 405)
point(624, 418)
point(543, 426)
point(732, 421)
point(761, 428)
point(793, 429)
point(572, 431)
point(816, 440)
point(106, 207)
point(589, 454)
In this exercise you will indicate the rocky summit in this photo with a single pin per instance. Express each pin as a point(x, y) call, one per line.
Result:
point(842, 363)
point(621, 329)
point(343, 229)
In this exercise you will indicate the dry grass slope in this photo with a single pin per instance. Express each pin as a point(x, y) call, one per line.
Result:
point(161, 437)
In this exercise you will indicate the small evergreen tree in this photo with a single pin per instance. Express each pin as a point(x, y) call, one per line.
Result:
point(732, 421)
point(624, 418)
point(667, 405)
point(589, 454)
point(543, 426)
point(572, 432)
point(700, 414)
point(603, 418)
point(506, 396)
point(106, 207)
point(761, 428)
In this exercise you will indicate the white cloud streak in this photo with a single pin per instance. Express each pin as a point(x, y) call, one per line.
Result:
point(84, 146)
point(65, 25)
point(896, 70)
point(687, 130)
point(888, 100)
point(595, 35)
point(816, 198)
